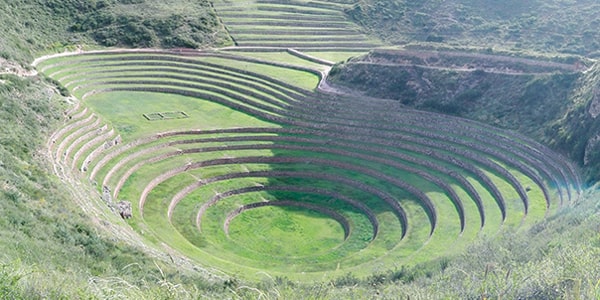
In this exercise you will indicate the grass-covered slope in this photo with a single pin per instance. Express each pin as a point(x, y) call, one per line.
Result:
point(50, 247)
point(316, 25)
point(468, 85)
point(226, 158)
point(544, 26)
point(553, 100)
point(51, 250)
point(34, 26)
point(394, 185)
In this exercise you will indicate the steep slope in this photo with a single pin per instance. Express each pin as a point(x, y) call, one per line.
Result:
point(545, 26)
point(577, 130)
point(50, 247)
point(555, 102)
point(34, 26)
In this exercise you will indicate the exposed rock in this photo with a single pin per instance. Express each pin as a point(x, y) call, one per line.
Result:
point(124, 209)
point(106, 197)
point(101, 129)
point(592, 148)
point(113, 142)
point(594, 109)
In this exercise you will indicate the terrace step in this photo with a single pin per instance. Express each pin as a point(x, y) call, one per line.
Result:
point(286, 31)
point(293, 20)
point(85, 134)
point(428, 174)
point(255, 15)
point(308, 45)
point(72, 131)
point(100, 139)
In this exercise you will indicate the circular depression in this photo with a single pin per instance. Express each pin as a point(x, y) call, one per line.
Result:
point(286, 228)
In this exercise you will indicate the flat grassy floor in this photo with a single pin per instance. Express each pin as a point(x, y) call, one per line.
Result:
point(270, 231)
point(124, 110)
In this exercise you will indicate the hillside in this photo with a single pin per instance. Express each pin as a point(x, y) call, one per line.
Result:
point(468, 85)
point(520, 26)
point(204, 156)
point(60, 25)
point(539, 29)
point(551, 101)
point(51, 249)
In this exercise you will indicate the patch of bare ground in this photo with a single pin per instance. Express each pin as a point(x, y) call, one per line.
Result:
point(9, 67)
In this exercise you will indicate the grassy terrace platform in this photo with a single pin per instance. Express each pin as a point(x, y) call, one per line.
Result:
point(292, 24)
point(266, 173)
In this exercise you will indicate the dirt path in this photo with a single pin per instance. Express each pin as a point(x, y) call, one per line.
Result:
point(9, 67)
point(326, 88)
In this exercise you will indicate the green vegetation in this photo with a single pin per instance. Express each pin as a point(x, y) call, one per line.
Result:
point(320, 26)
point(552, 101)
point(51, 248)
point(241, 173)
point(471, 86)
point(399, 205)
point(542, 26)
point(187, 24)
point(60, 25)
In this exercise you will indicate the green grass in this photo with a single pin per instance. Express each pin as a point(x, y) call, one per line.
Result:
point(301, 79)
point(55, 249)
point(179, 182)
point(56, 68)
point(301, 16)
point(256, 7)
point(313, 246)
point(159, 168)
point(124, 110)
point(271, 230)
point(280, 57)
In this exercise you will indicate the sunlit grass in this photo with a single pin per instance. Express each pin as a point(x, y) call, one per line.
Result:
point(315, 248)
